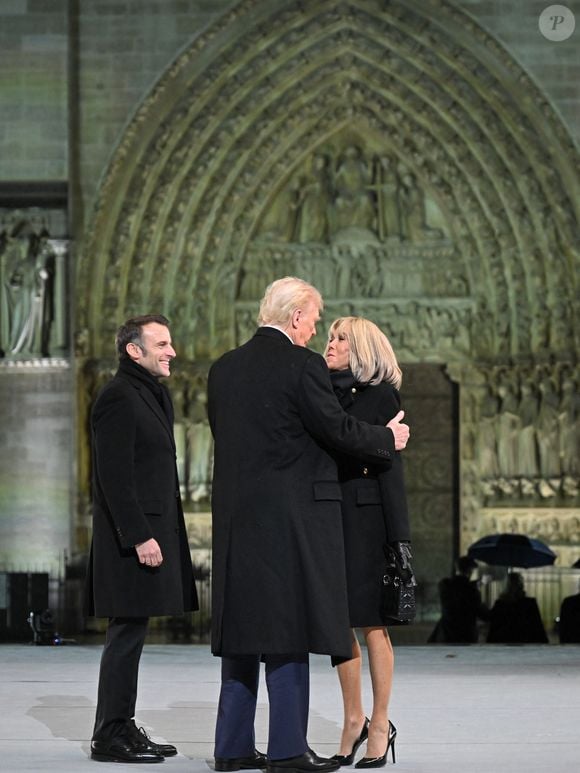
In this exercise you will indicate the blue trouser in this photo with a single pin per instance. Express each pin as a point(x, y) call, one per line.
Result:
point(287, 680)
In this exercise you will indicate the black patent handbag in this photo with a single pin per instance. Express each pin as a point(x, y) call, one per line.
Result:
point(398, 589)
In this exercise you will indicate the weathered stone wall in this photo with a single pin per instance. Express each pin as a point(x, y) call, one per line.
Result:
point(36, 465)
point(124, 46)
point(33, 90)
point(554, 66)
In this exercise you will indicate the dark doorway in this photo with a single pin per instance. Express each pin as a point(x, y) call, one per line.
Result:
point(430, 401)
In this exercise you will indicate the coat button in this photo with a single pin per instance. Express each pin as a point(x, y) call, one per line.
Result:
point(353, 390)
point(365, 470)
point(177, 493)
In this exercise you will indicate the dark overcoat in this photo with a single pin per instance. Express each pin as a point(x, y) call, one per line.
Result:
point(279, 583)
point(135, 497)
point(516, 621)
point(461, 606)
point(569, 626)
point(374, 503)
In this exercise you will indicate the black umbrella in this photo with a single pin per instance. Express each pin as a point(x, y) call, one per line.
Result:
point(511, 550)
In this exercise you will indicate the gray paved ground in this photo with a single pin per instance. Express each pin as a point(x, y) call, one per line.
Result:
point(480, 709)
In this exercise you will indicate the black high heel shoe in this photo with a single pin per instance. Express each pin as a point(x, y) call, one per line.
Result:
point(379, 762)
point(346, 759)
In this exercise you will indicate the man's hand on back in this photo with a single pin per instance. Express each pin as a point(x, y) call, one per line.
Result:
point(400, 431)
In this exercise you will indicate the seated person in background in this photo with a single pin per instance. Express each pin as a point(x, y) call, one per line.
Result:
point(515, 617)
point(569, 625)
point(461, 606)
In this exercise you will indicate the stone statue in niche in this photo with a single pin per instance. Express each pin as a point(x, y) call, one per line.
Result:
point(313, 202)
point(354, 206)
point(553, 532)
point(548, 437)
point(487, 436)
point(508, 432)
point(27, 269)
point(280, 221)
point(569, 426)
point(572, 530)
point(413, 215)
point(178, 388)
point(527, 447)
point(199, 446)
point(386, 185)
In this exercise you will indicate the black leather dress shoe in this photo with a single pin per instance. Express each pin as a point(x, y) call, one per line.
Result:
point(141, 739)
point(122, 749)
point(255, 762)
point(309, 762)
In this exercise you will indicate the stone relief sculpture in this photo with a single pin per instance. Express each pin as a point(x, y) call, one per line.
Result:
point(192, 434)
point(533, 415)
point(27, 269)
point(349, 192)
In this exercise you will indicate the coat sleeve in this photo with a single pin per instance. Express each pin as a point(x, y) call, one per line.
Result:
point(324, 418)
point(392, 482)
point(114, 431)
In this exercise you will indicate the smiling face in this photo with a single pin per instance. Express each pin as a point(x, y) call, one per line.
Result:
point(156, 352)
point(337, 350)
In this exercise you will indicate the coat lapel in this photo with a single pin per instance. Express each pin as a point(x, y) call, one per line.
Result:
point(152, 403)
point(158, 411)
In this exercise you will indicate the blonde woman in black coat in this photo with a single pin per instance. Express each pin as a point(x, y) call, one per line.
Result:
point(366, 376)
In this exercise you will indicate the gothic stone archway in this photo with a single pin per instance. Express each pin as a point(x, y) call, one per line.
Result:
point(193, 214)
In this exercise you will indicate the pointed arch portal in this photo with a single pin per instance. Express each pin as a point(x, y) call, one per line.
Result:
point(250, 101)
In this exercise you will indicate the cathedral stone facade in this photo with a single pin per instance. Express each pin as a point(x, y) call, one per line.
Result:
point(418, 161)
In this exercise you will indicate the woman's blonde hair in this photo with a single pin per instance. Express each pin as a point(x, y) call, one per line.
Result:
point(371, 356)
point(283, 297)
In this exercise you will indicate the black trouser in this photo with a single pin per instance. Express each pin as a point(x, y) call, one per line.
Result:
point(117, 693)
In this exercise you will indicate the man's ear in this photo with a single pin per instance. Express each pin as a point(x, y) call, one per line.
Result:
point(296, 317)
point(133, 350)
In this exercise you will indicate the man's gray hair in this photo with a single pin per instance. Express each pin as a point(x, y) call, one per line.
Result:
point(283, 297)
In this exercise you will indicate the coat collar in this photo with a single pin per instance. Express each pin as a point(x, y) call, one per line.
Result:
point(272, 332)
point(147, 395)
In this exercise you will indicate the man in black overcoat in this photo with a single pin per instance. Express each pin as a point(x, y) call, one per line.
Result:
point(279, 580)
point(140, 564)
point(461, 606)
point(569, 623)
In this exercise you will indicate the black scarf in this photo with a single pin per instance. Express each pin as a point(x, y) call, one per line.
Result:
point(343, 382)
point(159, 390)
